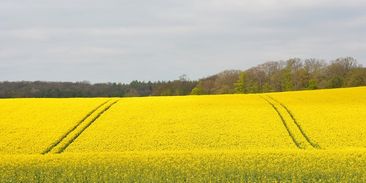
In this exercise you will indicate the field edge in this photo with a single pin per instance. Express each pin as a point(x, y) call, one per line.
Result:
point(195, 166)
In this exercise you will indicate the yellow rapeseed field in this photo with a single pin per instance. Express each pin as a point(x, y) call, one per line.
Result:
point(193, 166)
point(29, 126)
point(334, 118)
point(304, 136)
point(228, 122)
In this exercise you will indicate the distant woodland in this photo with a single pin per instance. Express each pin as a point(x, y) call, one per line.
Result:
point(274, 76)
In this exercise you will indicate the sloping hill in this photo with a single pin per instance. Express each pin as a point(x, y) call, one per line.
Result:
point(290, 136)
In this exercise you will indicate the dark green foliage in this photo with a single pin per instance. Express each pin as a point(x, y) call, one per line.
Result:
point(274, 76)
point(40, 89)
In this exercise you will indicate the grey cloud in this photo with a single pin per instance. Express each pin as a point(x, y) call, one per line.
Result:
point(159, 40)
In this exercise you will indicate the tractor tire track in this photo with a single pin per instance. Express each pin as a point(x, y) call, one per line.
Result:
point(71, 136)
point(62, 149)
point(59, 140)
point(310, 141)
point(284, 123)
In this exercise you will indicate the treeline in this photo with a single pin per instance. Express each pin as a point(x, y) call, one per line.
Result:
point(41, 89)
point(292, 74)
point(274, 76)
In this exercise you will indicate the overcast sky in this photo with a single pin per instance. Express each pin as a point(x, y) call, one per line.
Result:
point(124, 40)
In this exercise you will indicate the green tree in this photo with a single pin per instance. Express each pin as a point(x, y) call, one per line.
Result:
point(198, 90)
point(312, 85)
point(286, 80)
point(240, 85)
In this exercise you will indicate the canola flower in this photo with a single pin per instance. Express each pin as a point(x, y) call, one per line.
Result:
point(226, 122)
point(28, 126)
point(334, 118)
point(304, 136)
point(189, 166)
